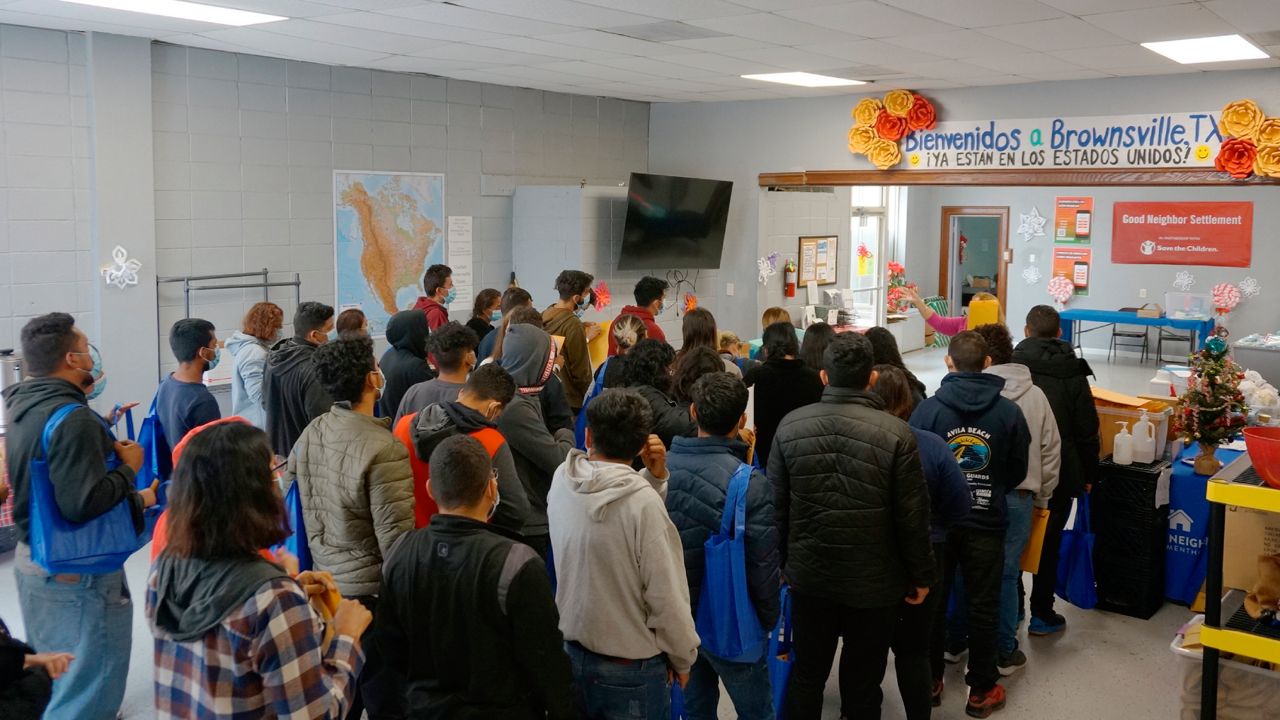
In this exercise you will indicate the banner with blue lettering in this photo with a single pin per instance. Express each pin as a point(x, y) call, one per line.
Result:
point(1158, 140)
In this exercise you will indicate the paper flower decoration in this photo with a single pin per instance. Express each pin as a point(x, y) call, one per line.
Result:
point(1031, 224)
point(602, 295)
point(767, 267)
point(863, 252)
point(1240, 119)
point(123, 271)
point(1225, 297)
point(1250, 287)
point(879, 126)
point(1184, 280)
point(690, 302)
point(1268, 132)
point(1031, 274)
point(1251, 141)
point(1060, 289)
point(1236, 156)
point(1267, 162)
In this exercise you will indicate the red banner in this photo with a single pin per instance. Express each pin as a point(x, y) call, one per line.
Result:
point(1182, 233)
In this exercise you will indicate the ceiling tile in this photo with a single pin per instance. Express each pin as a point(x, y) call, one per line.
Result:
point(725, 43)
point(534, 46)
point(789, 58)
point(723, 64)
point(956, 44)
point(676, 9)
point(477, 53)
point(431, 66)
point(1060, 34)
point(1116, 56)
point(774, 28)
point(1090, 7)
point(566, 12)
point(1166, 23)
point(141, 22)
point(978, 13)
point(658, 68)
point(388, 43)
point(618, 44)
point(776, 5)
point(11, 17)
point(278, 45)
point(1025, 62)
point(945, 69)
point(867, 19)
point(996, 80)
point(478, 19)
point(868, 51)
point(591, 70)
point(1077, 74)
point(287, 8)
point(397, 24)
point(1247, 16)
point(370, 5)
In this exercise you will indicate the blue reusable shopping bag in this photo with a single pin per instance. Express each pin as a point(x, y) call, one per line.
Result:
point(1076, 583)
point(296, 543)
point(726, 618)
point(677, 701)
point(157, 464)
point(782, 655)
point(597, 387)
point(100, 545)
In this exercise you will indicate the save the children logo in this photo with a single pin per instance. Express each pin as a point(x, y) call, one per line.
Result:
point(971, 450)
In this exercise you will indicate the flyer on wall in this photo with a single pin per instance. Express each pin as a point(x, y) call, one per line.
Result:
point(1074, 264)
point(1073, 220)
point(1183, 233)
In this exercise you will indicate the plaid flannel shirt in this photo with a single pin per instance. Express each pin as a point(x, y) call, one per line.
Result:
point(262, 661)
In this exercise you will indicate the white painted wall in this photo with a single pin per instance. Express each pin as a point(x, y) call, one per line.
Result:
point(738, 141)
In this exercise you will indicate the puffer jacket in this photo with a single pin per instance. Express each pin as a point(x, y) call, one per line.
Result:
point(851, 502)
point(356, 488)
point(700, 470)
point(1064, 378)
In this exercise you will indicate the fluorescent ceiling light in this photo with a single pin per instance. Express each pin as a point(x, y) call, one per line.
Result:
point(803, 79)
point(185, 11)
point(1220, 48)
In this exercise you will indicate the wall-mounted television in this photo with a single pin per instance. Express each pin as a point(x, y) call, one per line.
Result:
point(674, 222)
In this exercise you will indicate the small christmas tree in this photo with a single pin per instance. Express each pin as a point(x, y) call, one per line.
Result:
point(1212, 410)
point(897, 295)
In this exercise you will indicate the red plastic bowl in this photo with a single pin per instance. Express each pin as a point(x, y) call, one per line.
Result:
point(1263, 444)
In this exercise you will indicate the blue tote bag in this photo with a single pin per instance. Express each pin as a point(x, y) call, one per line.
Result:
point(1076, 583)
point(597, 387)
point(100, 545)
point(782, 655)
point(157, 463)
point(726, 618)
point(296, 543)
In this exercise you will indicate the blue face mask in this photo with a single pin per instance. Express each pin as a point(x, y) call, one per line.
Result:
point(453, 295)
point(217, 358)
point(495, 316)
point(96, 374)
point(582, 306)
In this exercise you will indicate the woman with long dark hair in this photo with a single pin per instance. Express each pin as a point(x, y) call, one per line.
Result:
point(689, 367)
point(234, 634)
point(884, 347)
point(699, 331)
point(816, 339)
point(782, 383)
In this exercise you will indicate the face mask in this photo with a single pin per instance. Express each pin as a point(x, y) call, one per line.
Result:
point(451, 296)
point(495, 316)
point(497, 500)
point(99, 379)
point(382, 382)
point(582, 306)
point(331, 336)
point(217, 358)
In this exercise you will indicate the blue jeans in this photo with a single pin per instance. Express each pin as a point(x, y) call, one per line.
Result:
point(89, 616)
point(1021, 504)
point(747, 683)
point(607, 688)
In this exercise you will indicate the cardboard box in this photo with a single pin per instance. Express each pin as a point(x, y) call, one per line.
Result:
point(1249, 533)
point(980, 282)
point(1151, 310)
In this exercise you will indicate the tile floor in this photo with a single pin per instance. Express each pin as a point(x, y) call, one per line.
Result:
point(1104, 666)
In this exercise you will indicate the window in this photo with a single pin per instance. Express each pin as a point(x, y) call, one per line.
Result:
point(872, 217)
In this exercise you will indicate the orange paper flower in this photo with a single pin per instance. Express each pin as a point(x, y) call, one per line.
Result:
point(1236, 157)
point(1241, 119)
point(891, 127)
point(1268, 132)
point(899, 102)
point(690, 302)
point(884, 154)
point(860, 138)
point(922, 115)
point(1268, 161)
point(867, 110)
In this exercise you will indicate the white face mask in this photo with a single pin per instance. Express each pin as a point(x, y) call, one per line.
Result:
point(497, 500)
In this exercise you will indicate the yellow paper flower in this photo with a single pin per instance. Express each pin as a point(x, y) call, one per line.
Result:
point(1241, 119)
point(866, 111)
point(1268, 132)
point(898, 102)
point(860, 138)
point(1268, 161)
point(884, 154)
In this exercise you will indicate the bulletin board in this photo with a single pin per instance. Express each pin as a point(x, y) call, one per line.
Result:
point(818, 259)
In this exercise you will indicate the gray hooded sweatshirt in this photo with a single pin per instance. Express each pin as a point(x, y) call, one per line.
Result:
point(621, 585)
point(1044, 456)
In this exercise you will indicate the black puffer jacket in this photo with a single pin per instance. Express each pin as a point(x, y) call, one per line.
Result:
point(851, 502)
point(1064, 378)
point(670, 418)
point(701, 469)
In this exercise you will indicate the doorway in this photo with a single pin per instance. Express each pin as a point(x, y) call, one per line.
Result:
point(974, 255)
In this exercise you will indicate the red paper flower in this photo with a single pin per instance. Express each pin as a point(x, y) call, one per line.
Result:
point(1235, 157)
point(922, 115)
point(896, 268)
point(894, 128)
point(602, 295)
point(690, 302)
point(863, 252)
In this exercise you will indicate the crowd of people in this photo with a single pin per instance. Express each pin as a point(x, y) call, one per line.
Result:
point(495, 526)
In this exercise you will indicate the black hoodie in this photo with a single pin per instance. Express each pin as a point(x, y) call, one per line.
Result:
point(293, 393)
point(404, 364)
point(988, 435)
point(1064, 378)
point(193, 596)
point(83, 487)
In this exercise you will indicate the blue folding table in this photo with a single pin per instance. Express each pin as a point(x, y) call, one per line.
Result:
point(1071, 319)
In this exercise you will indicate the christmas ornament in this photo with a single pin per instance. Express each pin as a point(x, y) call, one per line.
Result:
point(1213, 408)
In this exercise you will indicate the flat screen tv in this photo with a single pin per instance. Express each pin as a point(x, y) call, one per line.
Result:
point(674, 222)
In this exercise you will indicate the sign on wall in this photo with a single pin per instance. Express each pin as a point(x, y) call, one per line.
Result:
point(1183, 233)
point(1158, 140)
point(1074, 264)
point(1073, 220)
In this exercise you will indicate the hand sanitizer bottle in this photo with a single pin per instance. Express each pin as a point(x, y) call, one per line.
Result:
point(1122, 452)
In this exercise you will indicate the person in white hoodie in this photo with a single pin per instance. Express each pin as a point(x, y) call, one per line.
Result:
point(249, 347)
point(1044, 458)
point(621, 587)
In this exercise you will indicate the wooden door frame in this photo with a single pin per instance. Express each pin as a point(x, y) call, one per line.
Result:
point(949, 213)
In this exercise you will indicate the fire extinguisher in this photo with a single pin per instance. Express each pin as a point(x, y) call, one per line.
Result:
point(790, 276)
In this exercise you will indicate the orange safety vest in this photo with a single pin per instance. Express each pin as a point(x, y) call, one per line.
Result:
point(424, 506)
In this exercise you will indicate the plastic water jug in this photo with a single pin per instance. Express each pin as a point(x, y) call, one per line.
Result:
point(1144, 440)
point(1122, 453)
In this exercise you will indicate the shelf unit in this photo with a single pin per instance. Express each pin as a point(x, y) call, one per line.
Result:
point(1235, 485)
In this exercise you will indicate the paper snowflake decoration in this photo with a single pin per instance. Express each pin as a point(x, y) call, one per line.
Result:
point(1031, 274)
point(123, 271)
point(768, 267)
point(1184, 280)
point(1031, 224)
point(1250, 287)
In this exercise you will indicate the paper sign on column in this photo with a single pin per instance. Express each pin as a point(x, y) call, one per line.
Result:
point(458, 253)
